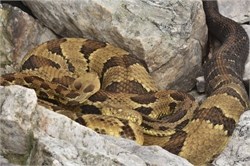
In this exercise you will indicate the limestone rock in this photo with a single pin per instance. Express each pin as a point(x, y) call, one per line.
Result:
point(19, 33)
point(168, 35)
point(5, 162)
point(237, 10)
point(151, 155)
point(246, 75)
point(200, 84)
point(42, 137)
point(238, 149)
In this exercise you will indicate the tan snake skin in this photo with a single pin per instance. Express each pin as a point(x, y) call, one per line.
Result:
point(109, 90)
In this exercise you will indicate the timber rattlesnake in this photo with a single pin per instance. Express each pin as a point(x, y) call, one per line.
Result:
point(109, 90)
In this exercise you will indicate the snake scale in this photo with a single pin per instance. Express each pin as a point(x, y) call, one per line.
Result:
point(109, 90)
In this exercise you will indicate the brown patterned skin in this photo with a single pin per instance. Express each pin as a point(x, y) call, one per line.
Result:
point(69, 80)
point(213, 123)
point(107, 89)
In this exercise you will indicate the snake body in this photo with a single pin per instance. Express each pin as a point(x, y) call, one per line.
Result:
point(109, 90)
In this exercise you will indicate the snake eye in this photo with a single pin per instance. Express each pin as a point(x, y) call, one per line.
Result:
point(77, 85)
point(89, 88)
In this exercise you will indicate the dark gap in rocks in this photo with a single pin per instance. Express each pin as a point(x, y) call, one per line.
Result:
point(247, 86)
point(20, 5)
point(246, 23)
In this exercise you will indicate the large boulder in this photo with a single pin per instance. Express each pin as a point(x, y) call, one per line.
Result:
point(19, 33)
point(34, 135)
point(168, 35)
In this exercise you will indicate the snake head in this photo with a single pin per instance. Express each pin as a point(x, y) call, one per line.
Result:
point(85, 86)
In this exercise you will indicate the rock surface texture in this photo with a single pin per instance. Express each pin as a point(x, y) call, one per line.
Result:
point(42, 137)
point(168, 35)
point(238, 150)
point(246, 75)
point(19, 33)
point(237, 10)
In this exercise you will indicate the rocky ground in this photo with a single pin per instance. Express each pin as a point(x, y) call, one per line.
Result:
point(169, 36)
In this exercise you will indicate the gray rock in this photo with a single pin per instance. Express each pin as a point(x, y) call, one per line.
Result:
point(238, 149)
point(147, 153)
point(246, 75)
point(237, 10)
point(19, 33)
point(34, 135)
point(168, 35)
point(5, 162)
point(16, 130)
point(200, 84)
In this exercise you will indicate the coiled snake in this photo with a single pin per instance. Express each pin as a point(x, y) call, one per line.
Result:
point(109, 90)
